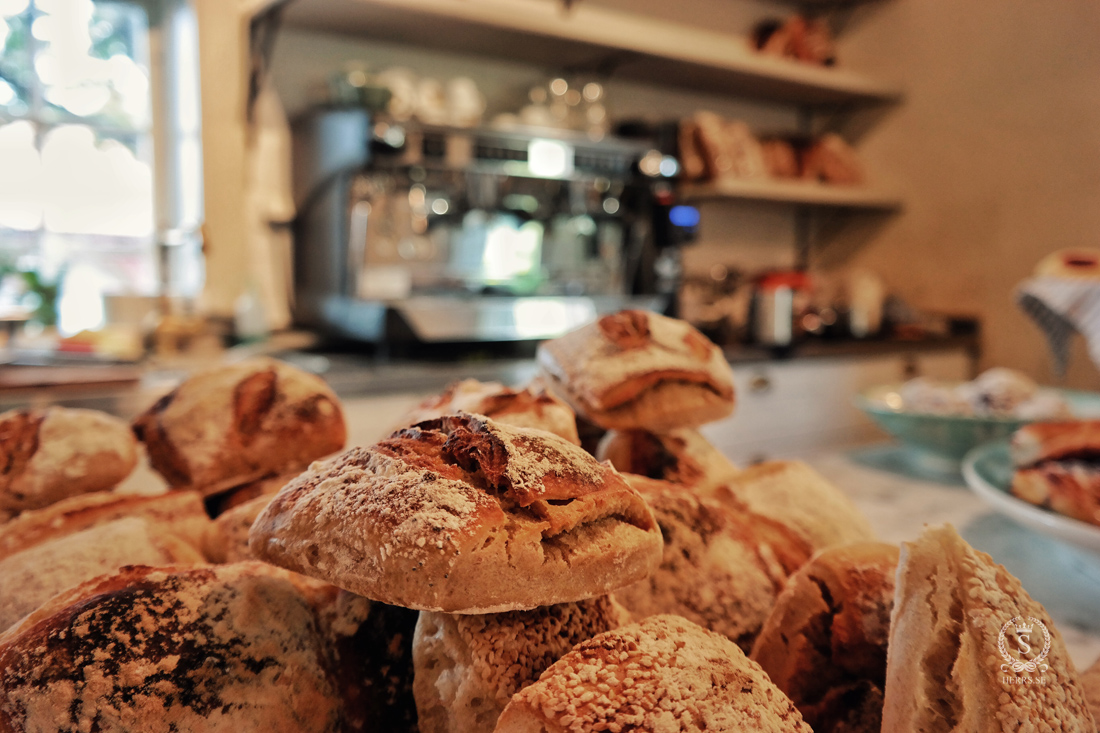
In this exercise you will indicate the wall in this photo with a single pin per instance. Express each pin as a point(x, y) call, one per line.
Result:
point(995, 150)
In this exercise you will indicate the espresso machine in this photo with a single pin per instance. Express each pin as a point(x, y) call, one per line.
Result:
point(436, 234)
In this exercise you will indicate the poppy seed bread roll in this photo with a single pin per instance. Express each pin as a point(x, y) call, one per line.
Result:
point(463, 515)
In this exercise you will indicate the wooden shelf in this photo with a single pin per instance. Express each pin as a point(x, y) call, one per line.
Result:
point(589, 38)
point(793, 192)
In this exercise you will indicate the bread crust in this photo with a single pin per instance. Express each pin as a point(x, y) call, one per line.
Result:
point(463, 515)
point(637, 369)
point(662, 674)
point(53, 453)
point(533, 406)
point(238, 423)
point(681, 456)
point(943, 665)
point(824, 642)
point(468, 667)
point(1051, 441)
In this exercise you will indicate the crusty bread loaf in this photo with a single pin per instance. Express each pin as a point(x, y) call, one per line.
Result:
point(238, 423)
point(824, 643)
point(463, 515)
point(178, 513)
point(717, 570)
point(662, 674)
point(637, 369)
point(31, 577)
point(219, 649)
point(1053, 441)
point(531, 407)
point(468, 667)
point(831, 159)
point(218, 504)
point(226, 537)
point(51, 454)
point(793, 494)
point(946, 670)
point(1090, 681)
point(681, 456)
point(1078, 263)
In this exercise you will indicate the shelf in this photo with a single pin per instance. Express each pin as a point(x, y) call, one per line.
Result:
point(589, 38)
point(793, 192)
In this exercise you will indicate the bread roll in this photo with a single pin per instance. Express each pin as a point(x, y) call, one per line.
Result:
point(51, 454)
point(681, 456)
point(238, 423)
point(31, 577)
point(824, 643)
point(1090, 681)
point(831, 159)
point(220, 648)
point(463, 515)
point(178, 513)
point(946, 669)
point(662, 674)
point(640, 370)
point(531, 407)
point(793, 494)
point(468, 667)
point(1077, 263)
point(226, 539)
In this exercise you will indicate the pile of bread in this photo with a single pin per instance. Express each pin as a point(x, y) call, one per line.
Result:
point(480, 570)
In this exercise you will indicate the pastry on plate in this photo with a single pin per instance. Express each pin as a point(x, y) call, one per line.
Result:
point(1058, 466)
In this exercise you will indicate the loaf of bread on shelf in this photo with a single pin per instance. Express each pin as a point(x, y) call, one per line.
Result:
point(718, 570)
point(1057, 467)
point(800, 38)
point(31, 577)
point(796, 496)
point(238, 423)
point(728, 148)
point(53, 453)
point(830, 159)
point(662, 674)
point(468, 667)
point(463, 515)
point(681, 456)
point(1076, 263)
point(531, 407)
point(781, 158)
point(639, 370)
point(824, 643)
point(971, 650)
point(179, 513)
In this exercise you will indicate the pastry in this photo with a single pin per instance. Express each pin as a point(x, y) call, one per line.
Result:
point(463, 515)
point(1056, 467)
point(235, 424)
point(216, 648)
point(830, 159)
point(468, 667)
point(794, 495)
point(971, 651)
point(531, 407)
point(824, 643)
point(717, 571)
point(51, 454)
point(640, 370)
point(681, 456)
point(1077, 263)
point(662, 674)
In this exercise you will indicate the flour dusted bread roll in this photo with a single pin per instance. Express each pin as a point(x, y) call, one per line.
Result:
point(681, 456)
point(463, 515)
point(215, 649)
point(637, 369)
point(226, 540)
point(468, 667)
point(945, 669)
point(793, 494)
point(51, 454)
point(531, 407)
point(824, 643)
point(662, 674)
point(241, 422)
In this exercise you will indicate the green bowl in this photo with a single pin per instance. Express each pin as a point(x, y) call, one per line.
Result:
point(951, 437)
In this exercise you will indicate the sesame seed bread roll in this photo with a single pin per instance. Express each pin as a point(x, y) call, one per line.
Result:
point(51, 454)
point(178, 513)
point(639, 370)
point(531, 407)
point(824, 643)
point(681, 456)
point(238, 423)
point(468, 667)
point(463, 515)
point(662, 674)
point(1090, 680)
point(217, 649)
point(944, 667)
